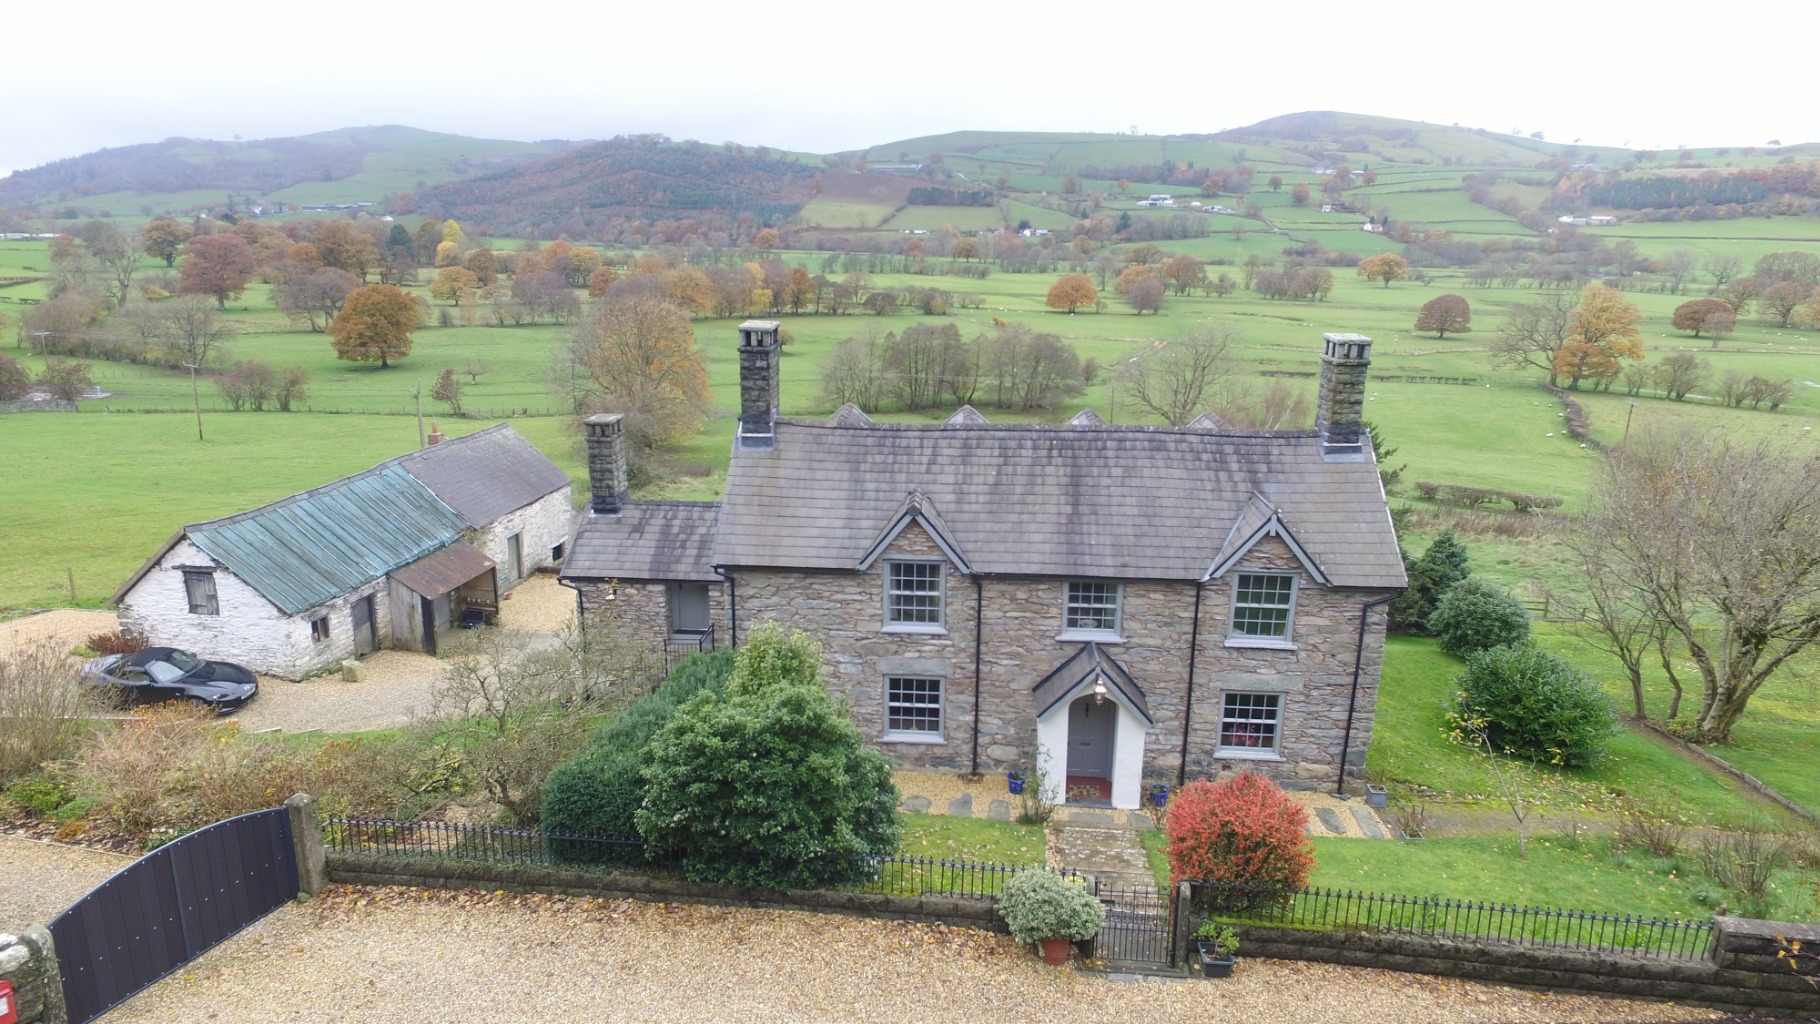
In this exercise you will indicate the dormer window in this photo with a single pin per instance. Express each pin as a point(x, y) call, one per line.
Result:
point(913, 596)
point(1090, 610)
point(1263, 610)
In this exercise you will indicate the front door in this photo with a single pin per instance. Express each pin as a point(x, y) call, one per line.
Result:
point(515, 556)
point(1092, 726)
point(366, 638)
point(688, 609)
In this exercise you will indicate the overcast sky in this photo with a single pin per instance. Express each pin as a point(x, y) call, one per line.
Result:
point(822, 76)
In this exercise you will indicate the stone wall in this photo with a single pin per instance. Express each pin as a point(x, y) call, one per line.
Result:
point(250, 630)
point(640, 610)
point(28, 961)
point(541, 525)
point(1744, 977)
point(1021, 642)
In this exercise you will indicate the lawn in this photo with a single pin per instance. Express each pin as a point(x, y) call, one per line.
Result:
point(971, 840)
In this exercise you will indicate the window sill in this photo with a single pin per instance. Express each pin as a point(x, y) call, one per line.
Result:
point(1261, 642)
point(927, 739)
point(915, 630)
point(1086, 635)
point(1248, 755)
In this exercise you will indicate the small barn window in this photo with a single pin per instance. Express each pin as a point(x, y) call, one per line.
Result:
point(319, 628)
point(556, 552)
point(199, 584)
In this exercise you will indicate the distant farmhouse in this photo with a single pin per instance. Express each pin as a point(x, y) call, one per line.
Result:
point(391, 557)
point(1114, 604)
point(1596, 221)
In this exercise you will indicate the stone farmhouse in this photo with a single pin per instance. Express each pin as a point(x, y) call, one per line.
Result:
point(1116, 605)
point(391, 557)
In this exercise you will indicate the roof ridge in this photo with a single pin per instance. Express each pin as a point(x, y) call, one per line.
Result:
point(1061, 429)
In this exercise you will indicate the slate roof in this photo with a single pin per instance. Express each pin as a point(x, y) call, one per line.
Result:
point(649, 540)
point(310, 548)
point(1115, 502)
point(486, 474)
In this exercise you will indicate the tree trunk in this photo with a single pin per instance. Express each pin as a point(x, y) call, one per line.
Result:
point(1635, 667)
point(1668, 666)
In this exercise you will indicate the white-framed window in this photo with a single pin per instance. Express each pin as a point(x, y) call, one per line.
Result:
point(1090, 608)
point(913, 596)
point(199, 586)
point(913, 709)
point(1250, 724)
point(1263, 609)
point(319, 628)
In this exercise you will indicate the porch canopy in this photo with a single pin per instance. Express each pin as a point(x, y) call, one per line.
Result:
point(1078, 672)
point(448, 570)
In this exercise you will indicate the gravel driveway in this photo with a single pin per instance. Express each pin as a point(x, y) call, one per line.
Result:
point(38, 880)
point(405, 955)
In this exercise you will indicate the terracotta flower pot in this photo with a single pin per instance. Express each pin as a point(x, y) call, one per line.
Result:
point(1055, 951)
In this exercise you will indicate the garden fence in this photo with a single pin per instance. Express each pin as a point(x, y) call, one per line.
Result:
point(895, 876)
point(1345, 910)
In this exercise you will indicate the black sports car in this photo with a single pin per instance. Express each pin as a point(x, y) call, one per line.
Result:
point(159, 674)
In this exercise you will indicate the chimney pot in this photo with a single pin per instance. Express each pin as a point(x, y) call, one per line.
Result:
point(607, 477)
point(1340, 413)
point(436, 434)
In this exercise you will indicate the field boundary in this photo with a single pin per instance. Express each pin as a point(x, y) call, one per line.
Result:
point(1750, 781)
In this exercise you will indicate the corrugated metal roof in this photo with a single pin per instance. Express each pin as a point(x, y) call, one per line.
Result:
point(443, 571)
point(309, 548)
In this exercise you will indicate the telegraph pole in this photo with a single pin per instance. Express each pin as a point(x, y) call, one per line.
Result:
point(196, 397)
point(418, 395)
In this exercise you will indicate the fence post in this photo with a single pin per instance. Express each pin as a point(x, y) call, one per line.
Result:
point(31, 965)
point(1184, 922)
point(306, 845)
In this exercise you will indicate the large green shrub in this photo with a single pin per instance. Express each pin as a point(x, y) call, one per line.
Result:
point(1472, 615)
point(1041, 904)
point(768, 783)
point(1530, 703)
point(1440, 567)
point(596, 792)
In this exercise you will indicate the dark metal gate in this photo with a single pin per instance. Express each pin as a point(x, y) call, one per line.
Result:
point(168, 907)
point(1139, 928)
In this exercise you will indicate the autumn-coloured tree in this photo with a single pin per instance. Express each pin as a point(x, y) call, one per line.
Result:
point(638, 357)
point(1709, 315)
point(689, 289)
point(1444, 314)
point(799, 289)
point(1184, 272)
point(448, 254)
point(1602, 334)
point(1130, 277)
point(14, 379)
point(484, 266)
point(163, 238)
point(766, 240)
point(217, 265)
point(1299, 194)
point(1071, 292)
point(345, 247)
point(1779, 301)
point(1276, 183)
point(1385, 267)
point(451, 282)
point(448, 389)
point(302, 258)
point(375, 323)
point(600, 280)
point(1146, 296)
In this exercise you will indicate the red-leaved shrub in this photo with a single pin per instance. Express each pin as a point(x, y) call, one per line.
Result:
point(1243, 829)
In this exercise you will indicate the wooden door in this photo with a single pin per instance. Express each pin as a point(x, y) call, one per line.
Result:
point(366, 637)
point(1091, 731)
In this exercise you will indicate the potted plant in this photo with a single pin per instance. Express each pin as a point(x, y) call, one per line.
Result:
point(1159, 794)
point(1216, 944)
point(1014, 780)
point(1376, 795)
point(1040, 906)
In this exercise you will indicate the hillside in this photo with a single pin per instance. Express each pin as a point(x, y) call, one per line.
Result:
point(597, 190)
point(342, 166)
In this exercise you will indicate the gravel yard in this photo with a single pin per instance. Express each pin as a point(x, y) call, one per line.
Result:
point(66, 627)
point(38, 880)
point(381, 955)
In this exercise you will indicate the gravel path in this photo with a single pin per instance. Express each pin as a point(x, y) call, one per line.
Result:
point(396, 689)
point(38, 880)
point(67, 627)
point(398, 955)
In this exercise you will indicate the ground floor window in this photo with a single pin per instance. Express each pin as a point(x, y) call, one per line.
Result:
point(1250, 723)
point(913, 708)
point(319, 628)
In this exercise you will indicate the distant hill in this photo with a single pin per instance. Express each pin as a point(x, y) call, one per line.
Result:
point(347, 165)
point(598, 190)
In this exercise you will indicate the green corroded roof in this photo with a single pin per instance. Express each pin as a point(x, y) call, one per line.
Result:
point(308, 549)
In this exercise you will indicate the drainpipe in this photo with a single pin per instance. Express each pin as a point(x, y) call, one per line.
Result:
point(1352, 702)
point(979, 604)
point(1194, 646)
point(732, 606)
point(581, 605)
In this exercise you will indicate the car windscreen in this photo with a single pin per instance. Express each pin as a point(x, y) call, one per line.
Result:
point(183, 660)
point(164, 671)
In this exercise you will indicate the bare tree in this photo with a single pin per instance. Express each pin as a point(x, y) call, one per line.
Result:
point(1719, 539)
point(1678, 266)
point(1183, 378)
point(1721, 267)
point(116, 252)
point(1681, 373)
point(192, 330)
point(314, 298)
point(43, 709)
point(1534, 332)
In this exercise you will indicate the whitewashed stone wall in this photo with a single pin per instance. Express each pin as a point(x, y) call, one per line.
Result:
point(543, 524)
point(250, 630)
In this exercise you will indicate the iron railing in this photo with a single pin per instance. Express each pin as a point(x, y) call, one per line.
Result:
point(896, 876)
point(1346, 910)
point(678, 646)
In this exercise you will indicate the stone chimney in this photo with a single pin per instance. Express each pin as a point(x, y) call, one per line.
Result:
point(758, 353)
point(607, 463)
point(436, 434)
point(1341, 411)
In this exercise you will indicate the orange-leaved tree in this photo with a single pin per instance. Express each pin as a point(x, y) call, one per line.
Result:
point(1385, 267)
point(216, 265)
point(1445, 313)
point(1072, 291)
point(1602, 334)
point(375, 324)
point(638, 357)
point(1243, 831)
